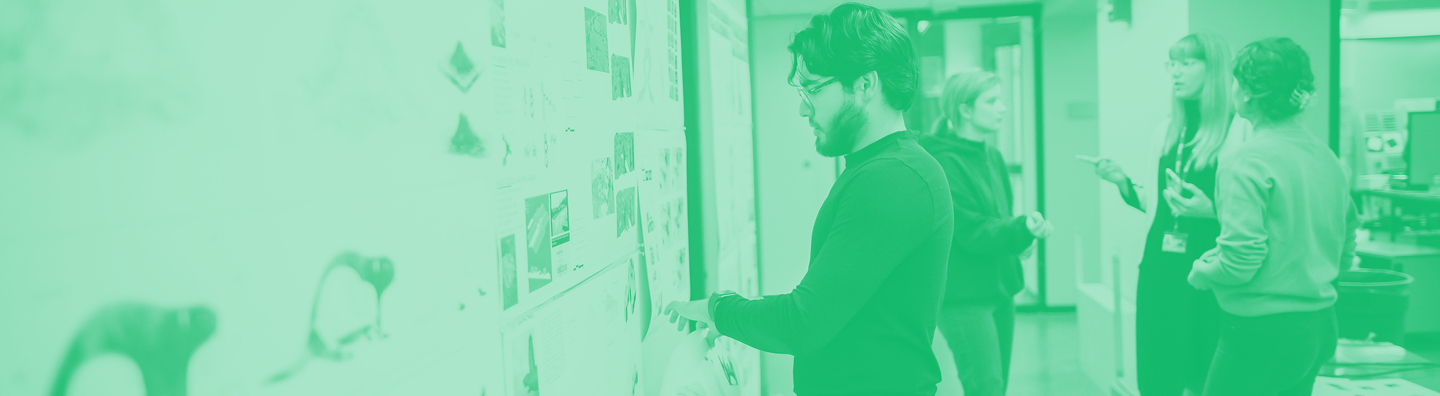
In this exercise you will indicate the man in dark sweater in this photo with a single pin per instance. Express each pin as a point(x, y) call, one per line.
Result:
point(862, 320)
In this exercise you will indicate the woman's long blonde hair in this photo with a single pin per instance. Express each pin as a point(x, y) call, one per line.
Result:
point(1215, 110)
point(961, 89)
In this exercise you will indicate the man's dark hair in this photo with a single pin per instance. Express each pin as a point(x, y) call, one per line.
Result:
point(854, 39)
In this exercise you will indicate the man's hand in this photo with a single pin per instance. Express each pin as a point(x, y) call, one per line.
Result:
point(683, 313)
point(1038, 226)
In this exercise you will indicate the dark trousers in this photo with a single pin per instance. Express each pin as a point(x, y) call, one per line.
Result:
point(1272, 355)
point(1176, 329)
point(980, 336)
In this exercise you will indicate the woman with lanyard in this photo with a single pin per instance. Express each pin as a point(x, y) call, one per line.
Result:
point(1176, 326)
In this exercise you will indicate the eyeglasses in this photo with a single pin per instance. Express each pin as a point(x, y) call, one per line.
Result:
point(805, 92)
point(1173, 64)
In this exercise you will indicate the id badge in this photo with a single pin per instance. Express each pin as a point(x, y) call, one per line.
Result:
point(1174, 242)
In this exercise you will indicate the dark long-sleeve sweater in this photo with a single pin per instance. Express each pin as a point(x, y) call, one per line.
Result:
point(862, 320)
point(984, 258)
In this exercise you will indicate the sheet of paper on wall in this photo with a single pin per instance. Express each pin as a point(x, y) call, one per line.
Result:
point(573, 218)
point(570, 343)
point(544, 250)
point(579, 58)
point(476, 359)
point(656, 80)
point(660, 158)
point(1329, 386)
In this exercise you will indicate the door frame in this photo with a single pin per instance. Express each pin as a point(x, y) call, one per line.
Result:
point(912, 17)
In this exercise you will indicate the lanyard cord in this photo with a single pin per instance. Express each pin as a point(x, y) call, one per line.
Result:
point(1179, 171)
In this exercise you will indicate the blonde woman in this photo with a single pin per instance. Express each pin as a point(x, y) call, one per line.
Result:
point(977, 317)
point(1176, 326)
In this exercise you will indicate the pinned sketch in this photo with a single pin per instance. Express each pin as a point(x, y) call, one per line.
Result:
point(602, 188)
point(524, 374)
point(619, 77)
point(509, 277)
point(551, 140)
point(626, 208)
point(537, 243)
point(465, 142)
point(624, 153)
point(461, 71)
point(330, 322)
point(672, 168)
point(632, 291)
point(509, 149)
point(497, 23)
point(537, 102)
point(635, 381)
point(673, 6)
point(160, 341)
point(597, 42)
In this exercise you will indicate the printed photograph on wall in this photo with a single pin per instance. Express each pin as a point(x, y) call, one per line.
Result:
point(597, 42)
point(560, 213)
point(624, 153)
point(509, 278)
point(619, 77)
point(537, 241)
point(625, 206)
point(602, 188)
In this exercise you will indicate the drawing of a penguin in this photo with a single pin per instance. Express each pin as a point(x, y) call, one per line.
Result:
point(160, 341)
point(349, 278)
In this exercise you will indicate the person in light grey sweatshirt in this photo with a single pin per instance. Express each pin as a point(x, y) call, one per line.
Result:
point(1287, 228)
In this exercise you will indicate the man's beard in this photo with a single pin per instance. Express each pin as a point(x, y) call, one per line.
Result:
point(844, 129)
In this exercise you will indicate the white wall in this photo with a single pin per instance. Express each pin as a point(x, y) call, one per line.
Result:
point(1306, 21)
point(1069, 85)
point(962, 44)
point(1389, 24)
point(1133, 97)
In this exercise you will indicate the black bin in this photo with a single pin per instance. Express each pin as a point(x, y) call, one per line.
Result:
point(1373, 301)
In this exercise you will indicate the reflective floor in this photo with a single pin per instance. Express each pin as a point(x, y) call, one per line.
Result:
point(1046, 359)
